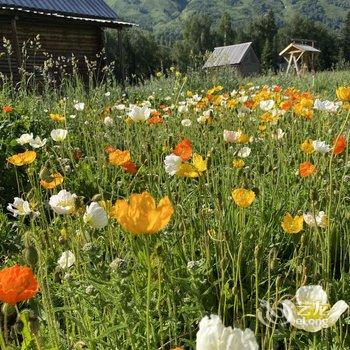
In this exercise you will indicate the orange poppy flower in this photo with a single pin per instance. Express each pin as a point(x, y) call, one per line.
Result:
point(155, 119)
point(56, 180)
point(249, 104)
point(119, 157)
point(7, 109)
point(306, 169)
point(286, 105)
point(24, 158)
point(17, 283)
point(130, 167)
point(141, 215)
point(183, 150)
point(339, 145)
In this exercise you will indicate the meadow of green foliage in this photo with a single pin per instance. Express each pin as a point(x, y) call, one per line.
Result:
point(126, 291)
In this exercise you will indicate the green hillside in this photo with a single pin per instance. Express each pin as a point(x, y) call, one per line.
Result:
point(165, 17)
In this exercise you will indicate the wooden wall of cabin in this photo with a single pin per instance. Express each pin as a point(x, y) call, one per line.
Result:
point(58, 37)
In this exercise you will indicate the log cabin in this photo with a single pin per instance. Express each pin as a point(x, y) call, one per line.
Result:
point(32, 31)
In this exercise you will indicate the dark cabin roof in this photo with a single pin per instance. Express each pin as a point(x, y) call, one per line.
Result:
point(227, 55)
point(92, 11)
point(78, 8)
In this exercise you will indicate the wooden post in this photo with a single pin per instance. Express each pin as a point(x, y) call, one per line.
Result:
point(17, 49)
point(121, 57)
point(289, 63)
point(296, 65)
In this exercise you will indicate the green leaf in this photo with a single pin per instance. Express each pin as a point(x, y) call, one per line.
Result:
point(26, 333)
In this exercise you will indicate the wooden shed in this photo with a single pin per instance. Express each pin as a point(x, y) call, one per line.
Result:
point(241, 57)
point(65, 28)
point(300, 57)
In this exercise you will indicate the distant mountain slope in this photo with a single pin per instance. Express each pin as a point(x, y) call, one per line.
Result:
point(165, 17)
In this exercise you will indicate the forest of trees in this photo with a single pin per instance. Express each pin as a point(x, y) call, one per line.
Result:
point(143, 55)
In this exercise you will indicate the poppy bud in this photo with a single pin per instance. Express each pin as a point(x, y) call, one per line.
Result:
point(62, 240)
point(58, 275)
point(97, 197)
point(314, 195)
point(31, 256)
point(18, 326)
point(77, 154)
point(7, 309)
point(34, 323)
point(45, 175)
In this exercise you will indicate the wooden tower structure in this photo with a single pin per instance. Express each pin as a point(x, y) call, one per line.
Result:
point(300, 55)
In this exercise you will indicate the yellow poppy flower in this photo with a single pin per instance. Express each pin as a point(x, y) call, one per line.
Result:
point(232, 103)
point(57, 117)
point(55, 180)
point(141, 215)
point(238, 164)
point(198, 166)
point(292, 225)
point(343, 93)
point(119, 157)
point(24, 158)
point(262, 128)
point(242, 197)
point(215, 89)
point(307, 146)
point(243, 138)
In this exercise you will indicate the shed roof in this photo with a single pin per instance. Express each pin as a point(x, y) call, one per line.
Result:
point(227, 55)
point(79, 8)
point(299, 47)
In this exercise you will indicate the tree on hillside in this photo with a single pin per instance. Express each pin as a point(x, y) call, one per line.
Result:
point(198, 34)
point(226, 34)
point(263, 33)
point(345, 39)
point(269, 56)
point(142, 54)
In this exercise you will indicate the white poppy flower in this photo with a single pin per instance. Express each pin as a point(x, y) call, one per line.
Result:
point(66, 260)
point(213, 335)
point(242, 99)
point(182, 109)
point(95, 216)
point(108, 121)
point(63, 202)
point(327, 106)
point(139, 114)
point(19, 207)
point(278, 135)
point(319, 220)
point(107, 94)
point(244, 152)
point(312, 311)
point(267, 105)
point(172, 164)
point(186, 122)
point(120, 107)
point(80, 106)
point(24, 139)
point(321, 146)
point(59, 135)
point(37, 142)
point(231, 136)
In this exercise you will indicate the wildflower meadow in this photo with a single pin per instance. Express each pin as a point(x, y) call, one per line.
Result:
point(190, 212)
